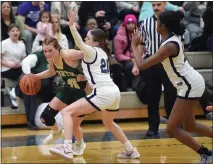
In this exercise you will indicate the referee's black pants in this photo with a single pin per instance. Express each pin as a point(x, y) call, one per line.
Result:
point(154, 77)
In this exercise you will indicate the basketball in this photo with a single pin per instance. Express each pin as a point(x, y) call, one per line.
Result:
point(30, 84)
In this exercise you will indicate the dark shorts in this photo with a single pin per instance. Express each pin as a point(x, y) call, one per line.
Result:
point(69, 95)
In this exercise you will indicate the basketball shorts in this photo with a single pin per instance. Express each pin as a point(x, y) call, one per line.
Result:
point(69, 95)
point(194, 89)
point(105, 98)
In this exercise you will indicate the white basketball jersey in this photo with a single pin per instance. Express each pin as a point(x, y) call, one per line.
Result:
point(178, 69)
point(98, 71)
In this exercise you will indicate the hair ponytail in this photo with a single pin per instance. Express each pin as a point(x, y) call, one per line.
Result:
point(105, 46)
point(100, 37)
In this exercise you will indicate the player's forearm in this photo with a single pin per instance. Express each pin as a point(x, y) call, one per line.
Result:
point(138, 58)
point(45, 74)
point(78, 40)
point(87, 50)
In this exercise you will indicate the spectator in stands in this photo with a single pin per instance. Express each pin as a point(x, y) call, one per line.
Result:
point(13, 52)
point(55, 20)
point(44, 26)
point(202, 43)
point(8, 18)
point(128, 5)
point(123, 50)
point(90, 24)
point(61, 9)
point(193, 19)
point(106, 14)
point(146, 10)
point(155, 76)
point(29, 15)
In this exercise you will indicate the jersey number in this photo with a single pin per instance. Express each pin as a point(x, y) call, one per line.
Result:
point(73, 83)
point(104, 66)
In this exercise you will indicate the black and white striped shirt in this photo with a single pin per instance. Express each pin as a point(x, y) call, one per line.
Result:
point(151, 39)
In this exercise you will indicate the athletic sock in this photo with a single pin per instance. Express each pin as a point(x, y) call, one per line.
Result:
point(57, 131)
point(80, 142)
point(128, 146)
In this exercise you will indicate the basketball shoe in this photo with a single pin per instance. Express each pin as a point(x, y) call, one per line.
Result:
point(52, 137)
point(129, 154)
point(206, 159)
point(64, 151)
point(78, 148)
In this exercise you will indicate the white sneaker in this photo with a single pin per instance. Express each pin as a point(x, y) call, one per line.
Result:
point(52, 137)
point(134, 154)
point(64, 151)
point(78, 149)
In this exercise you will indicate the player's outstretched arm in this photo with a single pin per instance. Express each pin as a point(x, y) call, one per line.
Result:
point(88, 51)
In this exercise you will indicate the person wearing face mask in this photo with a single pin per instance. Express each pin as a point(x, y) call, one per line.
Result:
point(12, 53)
point(123, 50)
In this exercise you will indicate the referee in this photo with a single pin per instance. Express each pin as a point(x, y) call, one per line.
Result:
point(155, 76)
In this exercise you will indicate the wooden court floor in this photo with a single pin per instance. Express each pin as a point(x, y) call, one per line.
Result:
point(20, 145)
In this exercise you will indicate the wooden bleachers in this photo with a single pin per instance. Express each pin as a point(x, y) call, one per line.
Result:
point(130, 106)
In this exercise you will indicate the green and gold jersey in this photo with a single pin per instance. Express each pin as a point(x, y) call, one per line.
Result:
point(70, 75)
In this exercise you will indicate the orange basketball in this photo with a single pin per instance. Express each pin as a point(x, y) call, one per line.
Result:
point(30, 84)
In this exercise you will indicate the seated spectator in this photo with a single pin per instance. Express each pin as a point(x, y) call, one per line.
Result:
point(193, 19)
point(106, 14)
point(44, 26)
point(28, 13)
point(91, 24)
point(123, 50)
point(12, 54)
point(55, 20)
point(8, 18)
point(202, 43)
point(61, 9)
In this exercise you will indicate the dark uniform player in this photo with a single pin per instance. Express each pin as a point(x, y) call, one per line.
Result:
point(64, 63)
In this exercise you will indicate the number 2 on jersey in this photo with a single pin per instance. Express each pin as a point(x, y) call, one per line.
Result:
point(104, 66)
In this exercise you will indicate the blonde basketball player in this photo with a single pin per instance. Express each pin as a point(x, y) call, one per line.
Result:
point(105, 96)
point(66, 64)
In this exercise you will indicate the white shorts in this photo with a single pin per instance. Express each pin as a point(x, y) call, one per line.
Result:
point(105, 98)
point(194, 90)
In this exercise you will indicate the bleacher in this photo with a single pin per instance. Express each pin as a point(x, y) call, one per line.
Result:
point(130, 106)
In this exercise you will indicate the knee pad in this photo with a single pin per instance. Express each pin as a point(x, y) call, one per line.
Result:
point(48, 116)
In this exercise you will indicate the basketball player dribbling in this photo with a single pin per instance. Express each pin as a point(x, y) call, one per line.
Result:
point(189, 83)
point(66, 64)
point(105, 96)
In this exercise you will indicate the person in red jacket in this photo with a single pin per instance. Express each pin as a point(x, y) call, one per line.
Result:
point(123, 50)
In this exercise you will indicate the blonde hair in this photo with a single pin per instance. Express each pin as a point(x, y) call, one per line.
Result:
point(59, 35)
